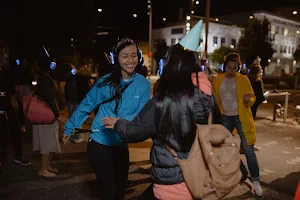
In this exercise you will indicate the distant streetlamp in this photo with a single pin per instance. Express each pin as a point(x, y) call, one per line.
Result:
point(197, 2)
point(99, 10)
point(164, 19)
point(192, 12)
point(134, 15)
point(217, 19)
point(251, 17)
point(295, 12)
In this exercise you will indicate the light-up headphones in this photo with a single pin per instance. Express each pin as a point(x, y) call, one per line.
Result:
point(18, 62)
point(73, 71)
point(113, 53)
point(161, 67)
point(52, 63)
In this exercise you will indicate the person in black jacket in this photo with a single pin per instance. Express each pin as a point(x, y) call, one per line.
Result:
point(76, 88)
point(257, 84)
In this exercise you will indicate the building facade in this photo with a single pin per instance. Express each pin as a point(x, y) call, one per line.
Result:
point(286, 34)
point(219, 33)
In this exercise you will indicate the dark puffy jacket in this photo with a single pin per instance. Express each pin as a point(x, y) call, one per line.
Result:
point(165, 169)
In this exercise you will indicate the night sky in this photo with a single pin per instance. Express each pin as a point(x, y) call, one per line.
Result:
point(28, 21)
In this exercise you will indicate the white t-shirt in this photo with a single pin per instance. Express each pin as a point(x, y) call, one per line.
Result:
point(228, 97)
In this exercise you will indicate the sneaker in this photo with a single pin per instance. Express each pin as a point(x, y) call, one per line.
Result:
point(257, 188)
point(22, 162)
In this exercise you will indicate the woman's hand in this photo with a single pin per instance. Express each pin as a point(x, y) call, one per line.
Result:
point(66, 139)
point(109, 122)
point(62, 117)
point(247, 97)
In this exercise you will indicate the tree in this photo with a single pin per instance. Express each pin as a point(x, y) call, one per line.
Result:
point(219, 54)
point(297, 54)
point(256, 41)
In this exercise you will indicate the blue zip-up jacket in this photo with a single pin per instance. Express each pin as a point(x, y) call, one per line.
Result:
point(135, 96)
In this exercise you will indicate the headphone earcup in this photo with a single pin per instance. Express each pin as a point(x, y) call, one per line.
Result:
point(140, 55)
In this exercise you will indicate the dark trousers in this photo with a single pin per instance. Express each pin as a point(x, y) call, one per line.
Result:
point(254, 110)
point(111, 165)
point(9, 124)
point(20, 111)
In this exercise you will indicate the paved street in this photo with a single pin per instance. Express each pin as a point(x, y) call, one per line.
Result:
point(278, 155)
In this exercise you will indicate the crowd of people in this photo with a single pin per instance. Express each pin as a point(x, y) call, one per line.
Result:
point(124, 113)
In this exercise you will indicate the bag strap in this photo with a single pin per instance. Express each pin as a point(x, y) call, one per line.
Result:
point(114, 97)
point(173, 152)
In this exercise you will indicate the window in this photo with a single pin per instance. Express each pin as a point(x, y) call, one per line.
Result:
point(289, 49)
point(215, 41)
point(292, 50)
point(277, 28)
point(233, 42)
point(173, 41)
point(176, 31)
point(273, 29)
point(282, 31)
point(222, 40)
point(284, 49)
point(281, 49)
point(286, 32)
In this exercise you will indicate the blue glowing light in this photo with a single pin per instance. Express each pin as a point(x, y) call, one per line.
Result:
point(52, 65)
point(18, 62)
point(73, 71)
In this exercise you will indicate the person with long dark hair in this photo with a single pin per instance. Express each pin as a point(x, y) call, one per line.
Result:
point(46, 136)
point(121, 93)
point(170, 118)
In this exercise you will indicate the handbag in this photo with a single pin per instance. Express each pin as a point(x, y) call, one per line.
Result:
point(36, 110)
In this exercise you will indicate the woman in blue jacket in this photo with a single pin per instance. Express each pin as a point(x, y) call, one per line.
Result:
point(122, 93)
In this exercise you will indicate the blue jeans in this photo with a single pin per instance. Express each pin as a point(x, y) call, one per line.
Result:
point(231, 122)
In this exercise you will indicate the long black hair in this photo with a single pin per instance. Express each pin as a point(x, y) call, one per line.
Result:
point(114, 79)
point(175, 119)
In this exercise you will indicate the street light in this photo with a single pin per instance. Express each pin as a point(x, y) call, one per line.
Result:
point(295, 12)
point(164, 19)
point(197, 2)
point(99, 10)
point(134, 15)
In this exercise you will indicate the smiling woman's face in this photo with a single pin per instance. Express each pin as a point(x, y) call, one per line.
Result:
point(128, 60)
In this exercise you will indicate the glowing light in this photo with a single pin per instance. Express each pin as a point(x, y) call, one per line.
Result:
point(269, 60)
point(192, 12)
point(134, 15)
point(217, 19)
point(231, 46)
point(34, 83)
point(164, 19)
point(298, 32)
point(295, 12)
point(197, 2)
point(188, 24)
point(188, 17)
point(99, 10)
point(188, 28)
point(251, 17)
